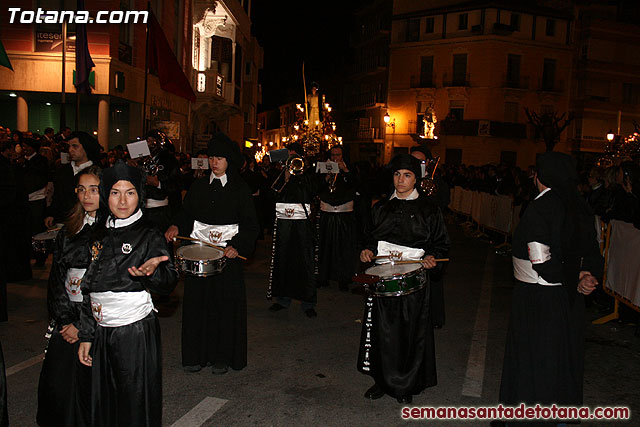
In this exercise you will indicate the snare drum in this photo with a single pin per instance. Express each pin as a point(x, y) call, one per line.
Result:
point(200, 260)
point(44, 242)
point(397, 279)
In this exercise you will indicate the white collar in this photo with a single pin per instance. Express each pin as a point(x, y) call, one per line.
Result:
point(78, 168)
point(541, 193)
point(88, 219)
point(31, 156)
point(123, 222)
point(223, 178)
point(414, 195)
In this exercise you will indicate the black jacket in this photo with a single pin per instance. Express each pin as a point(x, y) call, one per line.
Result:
point(69, 252)
point(415, 223)
point(231, 204)
point(113, 251)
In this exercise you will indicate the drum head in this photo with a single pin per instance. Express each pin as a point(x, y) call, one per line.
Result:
point(199, 252)
point(392, 270)
point(46, 235)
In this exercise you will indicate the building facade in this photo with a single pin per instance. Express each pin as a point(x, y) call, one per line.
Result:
point(477, 66)
point(605, 96)
point(31, 95)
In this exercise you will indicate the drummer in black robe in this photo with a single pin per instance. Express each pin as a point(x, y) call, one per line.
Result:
point(64, 390)
point(119, 331)
point(397, 345)
point(441, 197)
point(218, 209)
point(293, 264)
point(338, 254)
point(556, 260)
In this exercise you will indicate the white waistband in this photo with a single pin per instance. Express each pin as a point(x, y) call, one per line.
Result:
point(38, 194)
point(216, 234)
point(345, 207)
point(292, 210)
point(72, 283)
point(114, 309)
point(405, 253)
point(523, 271)
point(154, 203)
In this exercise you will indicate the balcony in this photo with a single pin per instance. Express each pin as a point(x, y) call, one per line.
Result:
point(520, 82)
point(417, 82)
point(556, 86)
point(363, 101)
point(461, 80)
point(125, 53)
point(502, 29)
point(470, 128)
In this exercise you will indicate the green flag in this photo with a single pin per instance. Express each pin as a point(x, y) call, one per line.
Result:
point(4, 59)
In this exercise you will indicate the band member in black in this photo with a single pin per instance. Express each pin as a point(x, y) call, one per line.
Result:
point(556, 260)
point(84, 151)
point(440, 197)
point(217, 209)
point(120, 333)
point(292, 267)
point(36, 178)
point(64, 391)
point(397, 345)
point(164, 181)
point(338, 253)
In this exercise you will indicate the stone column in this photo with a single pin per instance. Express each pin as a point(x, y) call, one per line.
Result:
point(103, 123)
point(22, 114)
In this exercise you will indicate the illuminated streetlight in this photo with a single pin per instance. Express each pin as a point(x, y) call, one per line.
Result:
point(610, 135)
point(387, 118)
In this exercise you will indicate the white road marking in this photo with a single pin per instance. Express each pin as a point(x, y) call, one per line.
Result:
point(200, 413)
point(474, 377)
point(24, 365)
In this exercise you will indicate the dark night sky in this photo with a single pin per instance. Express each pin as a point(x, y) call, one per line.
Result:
point(292, 31)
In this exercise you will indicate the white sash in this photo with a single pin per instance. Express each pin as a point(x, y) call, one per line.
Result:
point(292, 210)
point(216, 234)
point(345, 207)
point(72, 283)
point(523, 271)
point(114, 309)
point(404, 252)
point(155, 203)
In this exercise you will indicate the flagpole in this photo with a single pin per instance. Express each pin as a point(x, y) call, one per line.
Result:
point(146, 73)
point(63, 112)
point(304, 85)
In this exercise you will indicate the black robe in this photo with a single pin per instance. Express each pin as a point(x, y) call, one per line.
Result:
point(15, 244)
point(401, 356)
point(64, 197)
point(64, 390)
point(214, 312)
point(544, 352)
point(126, 376)
point(293, 263)
point(4, 412)
point(338, 231)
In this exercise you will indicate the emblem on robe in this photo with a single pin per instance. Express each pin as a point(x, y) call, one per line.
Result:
point(126, 248)
point(215, 236)
point(95, 250)
point(289, 212)
point(96, 309)
point(73, 286)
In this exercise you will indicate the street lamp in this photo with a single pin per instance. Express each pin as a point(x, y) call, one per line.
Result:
point(392, 124)
point(610, 136)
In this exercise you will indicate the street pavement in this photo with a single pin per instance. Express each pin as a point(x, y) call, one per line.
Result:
point(303, 372)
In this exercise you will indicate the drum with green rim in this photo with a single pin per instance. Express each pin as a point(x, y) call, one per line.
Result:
point(397, 279)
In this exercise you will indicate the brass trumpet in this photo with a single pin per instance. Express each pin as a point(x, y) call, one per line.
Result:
point(295, 166)
point(427, 184)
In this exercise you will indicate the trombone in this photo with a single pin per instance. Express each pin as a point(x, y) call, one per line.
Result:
point(295, 166)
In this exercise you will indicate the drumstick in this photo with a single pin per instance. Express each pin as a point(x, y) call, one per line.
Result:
point(418, 261)
point(205, 243)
